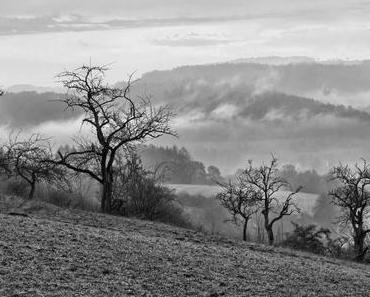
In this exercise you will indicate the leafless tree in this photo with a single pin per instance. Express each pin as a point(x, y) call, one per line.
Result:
point(27, 159)
point(240, 200)
point(117, 119)
point(353, 198)
point(4, 168)
point(266, 182)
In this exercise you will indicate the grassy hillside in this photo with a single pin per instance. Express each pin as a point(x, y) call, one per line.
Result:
point(56, 252)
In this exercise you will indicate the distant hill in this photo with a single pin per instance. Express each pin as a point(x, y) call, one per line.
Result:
point(275, 60)
point(28, 109)
point(254, 87)
point(338, 82)
point(309, 113)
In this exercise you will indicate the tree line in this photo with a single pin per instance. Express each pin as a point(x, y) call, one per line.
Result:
point(178, 166)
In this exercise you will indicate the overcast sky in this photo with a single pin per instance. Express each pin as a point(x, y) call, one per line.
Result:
point(39, 38)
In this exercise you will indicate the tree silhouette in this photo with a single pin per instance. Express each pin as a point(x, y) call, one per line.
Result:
point(240, 200)
point(353, 198)
point(267, 182)
point(28, 159)
point(118, 120)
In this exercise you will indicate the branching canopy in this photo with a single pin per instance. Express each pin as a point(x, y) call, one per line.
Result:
point(116, 118)
point(352, 194)
point(239, 199)
point(27, 159)
point(267, 181)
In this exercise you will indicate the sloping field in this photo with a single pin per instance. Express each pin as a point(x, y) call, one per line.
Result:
point(54, 252)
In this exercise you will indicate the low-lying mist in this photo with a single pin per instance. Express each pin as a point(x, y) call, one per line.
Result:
point(227, 114)
point(206, 213)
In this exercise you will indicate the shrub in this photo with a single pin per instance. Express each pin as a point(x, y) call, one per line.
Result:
point(15, 187)
point(172, 213)
point(76, 197)
point(307, 238)
point(138, 192)
point(57, 197)
point(340, 247)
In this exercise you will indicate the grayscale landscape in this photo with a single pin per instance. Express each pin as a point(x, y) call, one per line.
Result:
point(184, 148)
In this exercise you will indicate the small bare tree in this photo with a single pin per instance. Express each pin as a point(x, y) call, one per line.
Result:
point(27, 159)
point(240, 200)
point(353, 198)
point(4, 168)
point(117, 120)
point(266, 183)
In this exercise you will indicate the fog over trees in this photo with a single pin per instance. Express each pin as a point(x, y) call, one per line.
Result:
point(185, 148)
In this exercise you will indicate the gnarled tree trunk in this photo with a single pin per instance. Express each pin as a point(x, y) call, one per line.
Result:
point(270, 235)
point(107, 193)
point(268, 226)
point(32, 190)
point(245, 229)
point(359, 244)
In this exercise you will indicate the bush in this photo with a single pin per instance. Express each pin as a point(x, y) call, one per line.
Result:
point(307, 238)
point(69, 199)
point(340, 247)
point(171, 213)
point(57, 197)
point(138, 192)
point(76, 196)
point(15, 187)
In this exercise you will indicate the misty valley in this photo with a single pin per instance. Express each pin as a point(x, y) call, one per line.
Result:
point(102, 161)
point(225, 114)
point(184, 148)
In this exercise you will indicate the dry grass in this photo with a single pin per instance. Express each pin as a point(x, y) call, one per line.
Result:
point(56, 252)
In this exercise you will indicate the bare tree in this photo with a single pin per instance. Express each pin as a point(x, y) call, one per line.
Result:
point(240, 200)
point(353, 198)
point(27, 159)
point(117, 120)
point(266, 181)
point(4, 168)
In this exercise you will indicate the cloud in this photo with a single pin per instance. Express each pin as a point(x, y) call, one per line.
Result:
point(19, 16)
point(161, 8)
point(224, 112)
point(141, 35)
point(193, 39)
point(31, 25)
